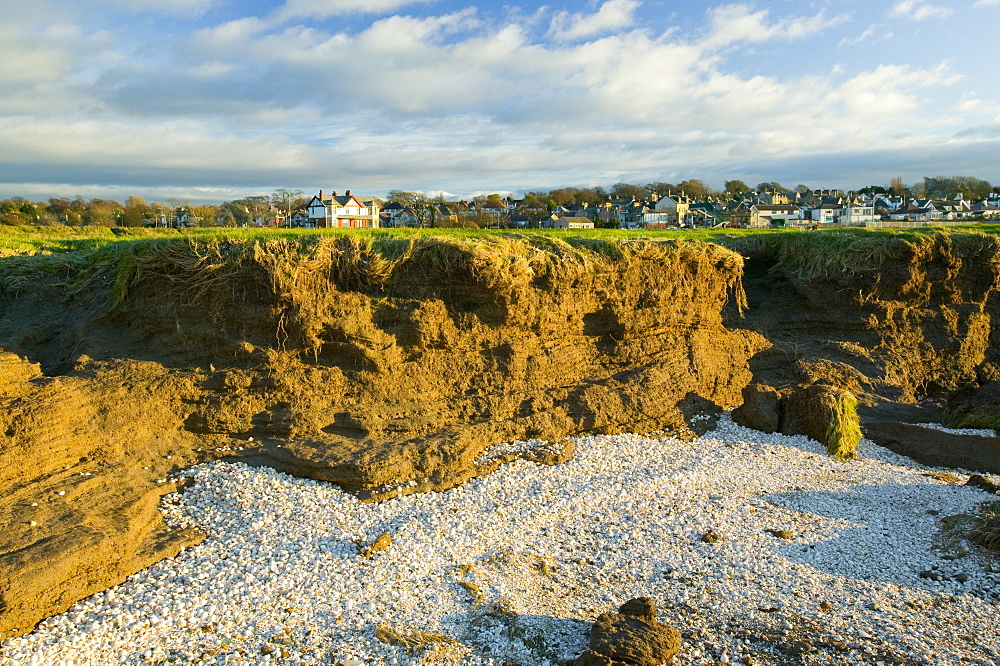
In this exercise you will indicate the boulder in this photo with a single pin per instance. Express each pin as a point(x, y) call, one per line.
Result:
point(760, 409)
point(827, 414)
point(983, 482)
point(630, 637)
point(976, 407)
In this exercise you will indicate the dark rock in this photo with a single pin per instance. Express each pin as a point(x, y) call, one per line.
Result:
point(760, 409)
point(974, 407)
point(961, 577)
point(700, 414)
point(641, 607)
point(782, 534)
point(630, 637)
point(984, 482)
point(711, 536)
point(937, 448)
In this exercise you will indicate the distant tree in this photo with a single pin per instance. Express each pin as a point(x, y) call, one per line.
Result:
point(975, 188)
point(661, 189)
point(206, 216)
point(135, 211)
point(771, 187)
point(406, 198)
point(897, 188)
point(563, 196)
point(256, 206)
point(161, 214)
point(803, 189)
point(287, 200)
point(696, 189)
point(944, 187)
point(736, 188)
point(872, 190)
point(532, 201)
point(225, 218)
point(627, 191)
point(102, 213)
point(68, 211)
point(178, 202)
point(18, 211)
point(590, 196)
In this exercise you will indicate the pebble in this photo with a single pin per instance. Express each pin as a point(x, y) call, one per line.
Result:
point(513, 566)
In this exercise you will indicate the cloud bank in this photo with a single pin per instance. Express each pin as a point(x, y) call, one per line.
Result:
point(462, 100)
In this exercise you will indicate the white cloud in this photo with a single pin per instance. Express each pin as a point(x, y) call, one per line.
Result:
point(176, 7)
point(871, 33)
point(986, 3)
point(734, 24)
point(320, 9)
point(165, 7)
point(613, 15)
point(918, 10)
point(458, 101)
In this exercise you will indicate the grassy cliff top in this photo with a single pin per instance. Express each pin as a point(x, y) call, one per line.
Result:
point(67, 251)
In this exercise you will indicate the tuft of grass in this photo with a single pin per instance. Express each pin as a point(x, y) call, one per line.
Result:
point(412, 640)
point(984, 527)
point(474, 592)
point(982, 417)
point(844, 431)
point(981, 528)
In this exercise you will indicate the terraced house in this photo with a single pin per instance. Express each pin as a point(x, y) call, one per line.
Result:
point(335, 211)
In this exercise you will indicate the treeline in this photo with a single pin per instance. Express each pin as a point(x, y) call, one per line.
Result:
point(137, 212)
point(939, 187)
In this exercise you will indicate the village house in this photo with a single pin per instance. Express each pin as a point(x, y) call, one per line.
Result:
point(670, 210)
point(335, 211)
point(556, 222)
point(773, 215)
point(300, 218)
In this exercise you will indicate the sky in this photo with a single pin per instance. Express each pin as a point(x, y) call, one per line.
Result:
point(212, 100)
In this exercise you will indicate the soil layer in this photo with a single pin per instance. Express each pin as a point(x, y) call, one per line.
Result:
point(384, 366)
point(389, 366)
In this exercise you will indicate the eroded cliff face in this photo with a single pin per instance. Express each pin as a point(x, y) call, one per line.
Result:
point(385, 367)
point(892, 318)
point(390, 366)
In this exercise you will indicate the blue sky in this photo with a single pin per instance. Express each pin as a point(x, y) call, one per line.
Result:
point(211, 100)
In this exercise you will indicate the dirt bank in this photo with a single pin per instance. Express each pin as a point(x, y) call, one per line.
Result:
point(389, 365)
point(895, 317)
point(384, 366)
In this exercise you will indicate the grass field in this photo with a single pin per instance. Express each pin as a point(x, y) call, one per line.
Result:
point(68, 250)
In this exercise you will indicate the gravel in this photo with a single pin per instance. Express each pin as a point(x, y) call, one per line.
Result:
point(816, 562)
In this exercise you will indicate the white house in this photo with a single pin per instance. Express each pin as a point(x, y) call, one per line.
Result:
point(555, 222)
point(343, 211)
point(675, 206)
point(764, 215)
point(858, 214)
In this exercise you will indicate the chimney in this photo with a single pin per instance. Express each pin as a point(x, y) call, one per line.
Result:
point(334, 193)
point(347, 193)
point(321, 195)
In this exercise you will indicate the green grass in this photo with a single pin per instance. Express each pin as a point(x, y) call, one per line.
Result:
point(61, 250)
point(983, 417)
